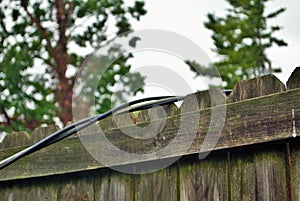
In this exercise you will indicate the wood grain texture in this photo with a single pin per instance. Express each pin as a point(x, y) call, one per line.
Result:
point(255, 87)
point(243, 179)
point(76, 188)
point(155, 113)
point(114, 187)
point(246, 163)
point(206, 99)
point(42, 132)
point(16, 139)
point(260, 175)
point(256, 120)
point(204, 180)
point(66, 156)
point(294, 80)
point(29, 190)
point(157, 186)
point(295, 170)
point(21, 138)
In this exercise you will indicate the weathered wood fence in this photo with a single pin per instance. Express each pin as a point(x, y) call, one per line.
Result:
point(256, 158)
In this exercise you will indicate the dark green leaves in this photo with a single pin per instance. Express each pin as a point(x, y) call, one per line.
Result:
point(32, 69)
point(15, 14)
point(137, 10)
point(242, 38)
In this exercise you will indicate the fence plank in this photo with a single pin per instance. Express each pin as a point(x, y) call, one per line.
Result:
point(76, 188)
point(157, 186)
point(255, 87)
point(113, 186)
point(295, 170)
point(243, 179)
point(29, 190)
point(16, 139)
point(205, 99)
point(252, 121)
point(294, 80)
point(145, 115)
point(62, 157)
point(204, 180)
point(260, 175)
point(42, 132)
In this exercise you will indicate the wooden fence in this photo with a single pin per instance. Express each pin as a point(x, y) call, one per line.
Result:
point(257, 156)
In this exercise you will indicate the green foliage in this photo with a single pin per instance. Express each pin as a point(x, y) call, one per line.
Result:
point(114, 86)
point(241, 39)
point(34, 36)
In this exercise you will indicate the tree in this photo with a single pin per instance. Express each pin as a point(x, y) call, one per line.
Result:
point(95, 86)
point(241, 39)
point(56, 35)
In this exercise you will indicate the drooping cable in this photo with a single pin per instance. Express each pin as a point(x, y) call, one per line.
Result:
point(164, 101)
point(69, 130)
point(140, 104)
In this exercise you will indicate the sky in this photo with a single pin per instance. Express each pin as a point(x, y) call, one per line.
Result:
point(187, 17)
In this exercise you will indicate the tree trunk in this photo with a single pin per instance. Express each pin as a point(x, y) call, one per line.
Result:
point(64, 91)
point(64, 95)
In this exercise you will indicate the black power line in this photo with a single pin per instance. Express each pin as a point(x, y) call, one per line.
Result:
point(71, 129)
point(140, 104)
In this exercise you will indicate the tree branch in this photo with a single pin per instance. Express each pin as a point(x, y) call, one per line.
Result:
point(43, 31)
point(62, 17)
point(6, 116)
point(88, 17)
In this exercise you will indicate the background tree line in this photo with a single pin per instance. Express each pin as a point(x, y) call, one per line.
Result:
point(44, 33)
point(241, 40)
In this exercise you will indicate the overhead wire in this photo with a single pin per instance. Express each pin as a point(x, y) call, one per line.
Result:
point(84, 123)
point(136, 105)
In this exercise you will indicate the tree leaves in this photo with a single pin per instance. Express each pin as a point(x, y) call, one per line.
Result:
point(137, 10)
point(15, 14)
point(242, 38)
point(36, 39)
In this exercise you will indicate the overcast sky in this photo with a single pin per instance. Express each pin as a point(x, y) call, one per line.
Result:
point(187, 17)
